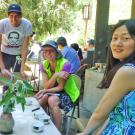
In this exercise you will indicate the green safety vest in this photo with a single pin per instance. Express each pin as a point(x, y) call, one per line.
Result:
point(70, 86)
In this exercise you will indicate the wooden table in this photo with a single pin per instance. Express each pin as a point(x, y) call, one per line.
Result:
point(24, 120)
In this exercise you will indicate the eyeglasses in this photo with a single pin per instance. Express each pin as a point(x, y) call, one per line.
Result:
point(48, 51)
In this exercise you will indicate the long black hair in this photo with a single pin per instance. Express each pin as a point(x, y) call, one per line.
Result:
point(79, 50)
point(112, 64)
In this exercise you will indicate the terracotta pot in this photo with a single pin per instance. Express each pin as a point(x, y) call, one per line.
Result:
point(6, 123)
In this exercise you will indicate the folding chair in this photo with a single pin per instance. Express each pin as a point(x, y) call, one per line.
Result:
point(77, 80)
point(81, 74)
point(76, 104)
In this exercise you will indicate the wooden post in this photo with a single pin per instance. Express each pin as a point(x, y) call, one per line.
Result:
point(101, 28)
point(86, 16)
point(85, 31)
point(133, 9)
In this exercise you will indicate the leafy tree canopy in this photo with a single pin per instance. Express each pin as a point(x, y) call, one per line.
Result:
point(47, 16)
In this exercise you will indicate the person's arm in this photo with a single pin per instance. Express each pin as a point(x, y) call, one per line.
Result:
point(2, 66)
point(122, 83)
point(49, 84)
point(101, 128)
point(24, 47)
point(46, 81)
point(57, 88)
point(4, 71)
point(24, 50)
point(62, 75)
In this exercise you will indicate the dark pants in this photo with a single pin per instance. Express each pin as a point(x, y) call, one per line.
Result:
point(9, 62)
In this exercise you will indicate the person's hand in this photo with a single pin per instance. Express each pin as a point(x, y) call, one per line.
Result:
point(6, 73)
point(63, 75)
point(40, 94)
point(24, 75)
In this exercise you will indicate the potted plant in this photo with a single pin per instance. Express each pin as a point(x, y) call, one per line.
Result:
point(16, 92)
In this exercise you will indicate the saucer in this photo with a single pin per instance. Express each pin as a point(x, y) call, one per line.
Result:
point(45, 119)
point(37, 126)
point(39, 114)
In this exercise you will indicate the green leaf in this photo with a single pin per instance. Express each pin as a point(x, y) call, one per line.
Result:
point(8, 95)
point(9, 107)
point(23, 106)
point(16, 77)
point(20, 100)
point(5, 81)
point(29, 86)
point(16, 92)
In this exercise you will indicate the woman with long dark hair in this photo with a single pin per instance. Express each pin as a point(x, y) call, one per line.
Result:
point(118, 103)
point(79, 50)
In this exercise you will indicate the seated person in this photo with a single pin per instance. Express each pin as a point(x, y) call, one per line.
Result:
point(118, 103)
point(79, 50)
point(90, 45)
point(69, 53)
point(90, 53)
point(55, 71)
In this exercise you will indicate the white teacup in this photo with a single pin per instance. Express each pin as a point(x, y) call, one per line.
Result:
point(39, 114)
point(28, 101)
point(37, 126)
point(45, 119)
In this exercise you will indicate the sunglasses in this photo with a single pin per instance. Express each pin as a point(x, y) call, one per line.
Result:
point(48, 51)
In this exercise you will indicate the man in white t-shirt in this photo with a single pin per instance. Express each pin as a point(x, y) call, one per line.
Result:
point(14, 40)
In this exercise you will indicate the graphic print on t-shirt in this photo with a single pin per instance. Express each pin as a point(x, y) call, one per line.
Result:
point(14, 38)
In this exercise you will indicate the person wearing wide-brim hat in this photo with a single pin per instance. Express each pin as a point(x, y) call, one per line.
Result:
point(55, 71)
point(52, 44)
point(14, 39)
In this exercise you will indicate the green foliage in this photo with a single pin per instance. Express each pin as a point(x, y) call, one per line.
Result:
point(16, 93)
point(47, 16)
point(81, 41)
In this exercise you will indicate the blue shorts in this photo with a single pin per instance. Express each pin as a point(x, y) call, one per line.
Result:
point(65, 101)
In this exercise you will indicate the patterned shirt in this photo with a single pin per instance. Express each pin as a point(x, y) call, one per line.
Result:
point(122, 117)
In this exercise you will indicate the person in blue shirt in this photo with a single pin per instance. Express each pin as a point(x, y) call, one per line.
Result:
point(69, 53)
